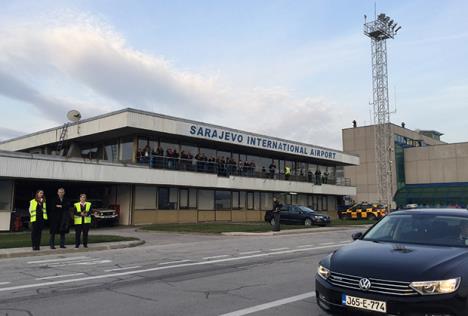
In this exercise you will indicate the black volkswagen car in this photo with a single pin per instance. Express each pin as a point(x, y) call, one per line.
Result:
point(411, 263)
point(298, 215)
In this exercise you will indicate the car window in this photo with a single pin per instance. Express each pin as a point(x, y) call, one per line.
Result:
point(421, 229)
point(294, 209)
point(306, 209)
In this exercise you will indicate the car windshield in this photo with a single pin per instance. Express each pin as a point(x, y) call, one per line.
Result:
point(306, 209)
point(428, 229)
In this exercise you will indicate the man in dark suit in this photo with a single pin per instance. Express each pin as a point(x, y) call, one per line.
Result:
point(59, 218)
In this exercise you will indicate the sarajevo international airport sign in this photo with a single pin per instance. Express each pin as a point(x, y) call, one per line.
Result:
point(234, 137)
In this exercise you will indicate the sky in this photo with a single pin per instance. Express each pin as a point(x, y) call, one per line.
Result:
point(299, 70)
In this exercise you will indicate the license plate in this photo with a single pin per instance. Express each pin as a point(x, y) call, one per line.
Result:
point(364, 303)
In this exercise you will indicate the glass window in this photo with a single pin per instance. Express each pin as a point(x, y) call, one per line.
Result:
point(145, 197)
point(206, 200)
point(235, 200)
point(250, 200)
point(242, 200)
point(126, 149)
point(167, 199)
point(257, 200)
point(266, 201)
point(111, 151)
point(193, 198)
point(183, 198)
point(302, 199)
point(209, 153)
point(223, 200)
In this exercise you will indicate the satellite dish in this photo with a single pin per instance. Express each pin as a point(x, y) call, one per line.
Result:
point(73, 116)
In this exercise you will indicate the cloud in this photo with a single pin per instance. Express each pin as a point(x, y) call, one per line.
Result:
point(6, 133)
point(97, 66)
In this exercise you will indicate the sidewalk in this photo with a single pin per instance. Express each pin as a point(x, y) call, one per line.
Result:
point(301, 231)
point(27, 251)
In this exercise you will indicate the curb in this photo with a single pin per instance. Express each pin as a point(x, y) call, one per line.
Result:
point(298, 231)
point(105, 246)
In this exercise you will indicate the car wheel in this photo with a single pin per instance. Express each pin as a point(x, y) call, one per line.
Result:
point(272, 222)
point(308, 222)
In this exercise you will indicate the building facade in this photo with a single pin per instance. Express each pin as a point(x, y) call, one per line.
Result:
point(161, 169)
point(425, 170)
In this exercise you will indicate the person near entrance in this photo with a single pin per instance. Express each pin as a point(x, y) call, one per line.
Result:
point(59, 219)
point(276, 214)
point(82, 220)
point(38, 216)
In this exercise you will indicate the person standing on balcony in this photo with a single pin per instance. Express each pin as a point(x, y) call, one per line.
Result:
point(272, 169)
point(287, 172)
point(318, 176)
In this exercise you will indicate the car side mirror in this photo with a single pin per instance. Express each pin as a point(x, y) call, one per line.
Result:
point(357, 235)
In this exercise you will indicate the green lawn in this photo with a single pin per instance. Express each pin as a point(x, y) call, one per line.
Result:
point(256, 227)
point(14, 240)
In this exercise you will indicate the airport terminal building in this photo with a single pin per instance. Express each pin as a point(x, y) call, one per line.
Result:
point(425, 170)
point(161, 169)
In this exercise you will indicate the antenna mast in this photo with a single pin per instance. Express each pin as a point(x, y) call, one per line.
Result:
point(379, 30)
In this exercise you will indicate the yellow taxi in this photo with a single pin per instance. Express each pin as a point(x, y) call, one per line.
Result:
point(364, 210)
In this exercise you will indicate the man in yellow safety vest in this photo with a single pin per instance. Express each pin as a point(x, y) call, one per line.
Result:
point(82, 220)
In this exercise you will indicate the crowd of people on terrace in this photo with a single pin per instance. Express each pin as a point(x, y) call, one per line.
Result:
point(224, 166)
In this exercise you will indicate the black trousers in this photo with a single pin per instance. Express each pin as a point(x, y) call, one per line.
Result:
point(83, 228)
point(36, 233)
point(52, 240)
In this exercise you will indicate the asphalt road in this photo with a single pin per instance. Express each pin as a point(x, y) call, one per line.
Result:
point(183, 275)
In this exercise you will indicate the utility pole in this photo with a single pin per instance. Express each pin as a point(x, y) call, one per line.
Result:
point(379, 30)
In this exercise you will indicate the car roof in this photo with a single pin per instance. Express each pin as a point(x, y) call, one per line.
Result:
point(434, 211)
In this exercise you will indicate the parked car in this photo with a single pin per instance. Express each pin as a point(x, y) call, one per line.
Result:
point(364, 210)
point(412, 262)
point(298, 215)
point(104, 216)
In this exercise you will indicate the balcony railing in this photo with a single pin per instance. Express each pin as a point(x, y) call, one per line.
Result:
point(231, 169)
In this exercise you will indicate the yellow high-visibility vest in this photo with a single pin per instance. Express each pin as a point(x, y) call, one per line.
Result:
point(78, 220)
point(287, 171)
point(33, 208)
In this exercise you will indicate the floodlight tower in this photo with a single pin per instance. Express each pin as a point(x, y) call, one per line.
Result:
point(379, 30)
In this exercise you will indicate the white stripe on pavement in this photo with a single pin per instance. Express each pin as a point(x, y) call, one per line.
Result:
point(304, 246)
point(249, 252)
point(120, 269)
point(326, 243)
point(58, 260)
point(174, 262)
point(215, 257)
point(4, 283)
point(182, 265)
point(59, 276)
point(279, 249)
point(272, 304)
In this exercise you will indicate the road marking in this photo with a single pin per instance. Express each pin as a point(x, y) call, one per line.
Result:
point(58, 260)
point(120, 269)
point(249, 252)
point(326, 243)
point(87, 263)
point(182, 265)
point(279, 249)
point(59, 276)
point(304, 246)
point(4, 283)
point(272, 304)
point(173, 262)
point(215, 257)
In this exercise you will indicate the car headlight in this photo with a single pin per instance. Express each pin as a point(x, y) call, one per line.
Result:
point(436, 287)
point(323, 272)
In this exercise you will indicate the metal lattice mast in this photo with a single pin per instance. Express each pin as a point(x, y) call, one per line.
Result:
point(379, 30)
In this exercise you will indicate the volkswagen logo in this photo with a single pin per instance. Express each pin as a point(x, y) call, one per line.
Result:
point(364, 284)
